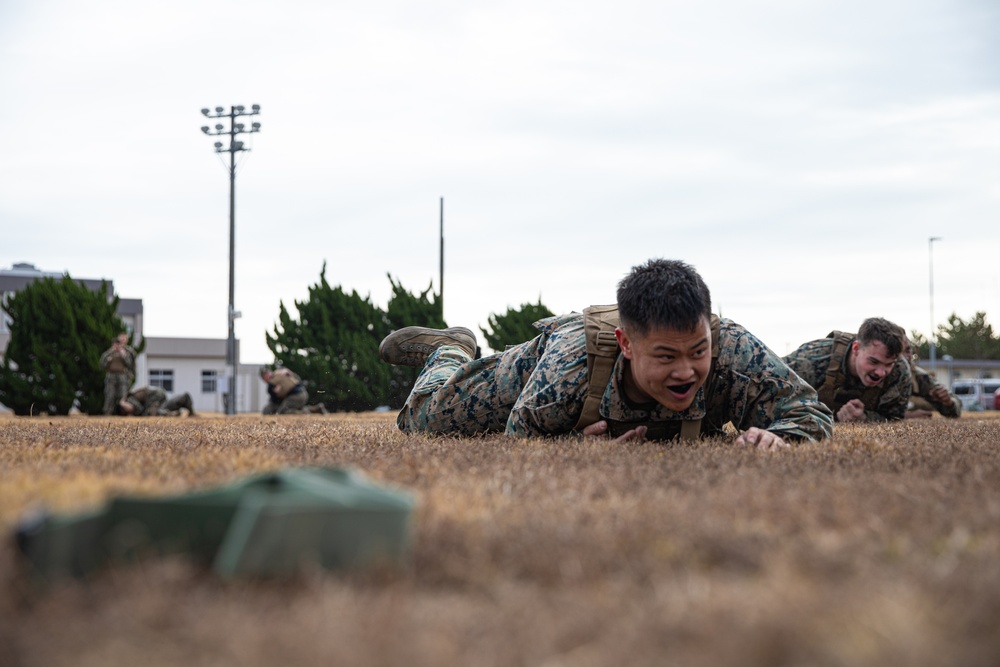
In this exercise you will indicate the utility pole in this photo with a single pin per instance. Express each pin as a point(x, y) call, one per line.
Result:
point(441, 262)
point(235, 146)
point(930, 254)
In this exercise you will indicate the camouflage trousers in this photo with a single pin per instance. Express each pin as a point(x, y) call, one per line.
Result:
point(291, 404)
point(457, 395)
point(116, 386)
point(174, 405)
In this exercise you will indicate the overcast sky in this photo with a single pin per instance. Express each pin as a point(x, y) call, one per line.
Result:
point(798, 154)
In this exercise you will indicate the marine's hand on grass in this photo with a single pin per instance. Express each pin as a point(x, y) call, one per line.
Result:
point(599, 429)
point(761, 439)
point(754, 437)
point(940, 394)
point(853, 411)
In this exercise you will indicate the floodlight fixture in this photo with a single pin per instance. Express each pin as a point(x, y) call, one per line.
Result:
point(219, 109)
point(255, 108)
point(255, 127)
point(204, 112)
point(218, 144)
point(204, 128)
point(218, 126)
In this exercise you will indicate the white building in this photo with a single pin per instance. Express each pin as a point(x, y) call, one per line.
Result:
point(195, 365)
point(198, 366)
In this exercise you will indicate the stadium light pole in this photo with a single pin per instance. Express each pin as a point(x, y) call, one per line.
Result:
point(234, 130)
point(930, 254)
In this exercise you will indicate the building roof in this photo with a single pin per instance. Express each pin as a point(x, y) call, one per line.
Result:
point(186, 347)
point(23, 273)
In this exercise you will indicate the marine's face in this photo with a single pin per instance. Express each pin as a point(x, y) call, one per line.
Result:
point(871, 363)
point(908, 352)
point(666, 365)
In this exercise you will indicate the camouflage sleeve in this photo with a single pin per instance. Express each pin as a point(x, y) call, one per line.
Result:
point(552, 397)
point(811, 360)
point(892, 402)
point(761, 390)
point(925, 383)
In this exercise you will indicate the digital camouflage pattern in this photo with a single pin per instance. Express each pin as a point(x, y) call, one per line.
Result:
point(538, 388)
point(921, 398)
point(152, 401)
point(116, 386)
point(286, 393)
point(812, 359)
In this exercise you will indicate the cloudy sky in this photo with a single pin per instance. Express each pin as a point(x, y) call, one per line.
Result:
point(799, 154)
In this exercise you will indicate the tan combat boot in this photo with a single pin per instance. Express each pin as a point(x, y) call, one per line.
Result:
point(410, 346)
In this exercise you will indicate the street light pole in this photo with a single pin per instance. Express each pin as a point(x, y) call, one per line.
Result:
point(441, 261)
point(930, 254)
point(235, 146)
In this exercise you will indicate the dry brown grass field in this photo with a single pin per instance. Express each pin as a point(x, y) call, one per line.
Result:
point(879, 547)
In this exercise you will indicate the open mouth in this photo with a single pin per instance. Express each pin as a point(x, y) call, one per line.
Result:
point(681, 389)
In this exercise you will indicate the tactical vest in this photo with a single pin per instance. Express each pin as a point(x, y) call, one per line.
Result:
point(831, 392)
point(599, 324)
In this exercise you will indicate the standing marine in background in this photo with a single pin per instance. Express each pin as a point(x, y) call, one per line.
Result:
point(118, 362)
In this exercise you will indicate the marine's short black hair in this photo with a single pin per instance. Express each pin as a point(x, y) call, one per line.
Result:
point(877, 329)
point(663, 293)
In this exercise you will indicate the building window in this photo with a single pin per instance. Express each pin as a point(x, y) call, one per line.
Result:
point(209, 382)
point(162, 378)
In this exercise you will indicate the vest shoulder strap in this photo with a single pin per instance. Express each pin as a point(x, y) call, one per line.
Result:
point(599, 324)
point(828, 390)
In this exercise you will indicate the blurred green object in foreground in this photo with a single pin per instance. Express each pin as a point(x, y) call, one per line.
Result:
point(267, 525)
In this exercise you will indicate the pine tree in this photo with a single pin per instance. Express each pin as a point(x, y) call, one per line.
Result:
point(972, 339)
point(515, 326)
point(333, 347)
point(333, 344)
point(58, 330)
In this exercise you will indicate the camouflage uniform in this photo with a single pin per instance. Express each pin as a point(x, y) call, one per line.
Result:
point(286, 394)
point(152, 401)
point(538, 388)
point(120, 374)
point(921, 398)
point(886, 402)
